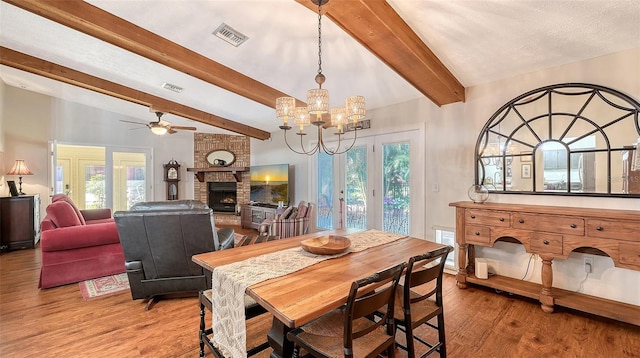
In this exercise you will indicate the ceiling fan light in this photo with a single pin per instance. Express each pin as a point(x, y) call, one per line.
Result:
point(158, 129)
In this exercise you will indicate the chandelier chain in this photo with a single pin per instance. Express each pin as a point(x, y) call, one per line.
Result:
point(319, 37)
point(317, 104)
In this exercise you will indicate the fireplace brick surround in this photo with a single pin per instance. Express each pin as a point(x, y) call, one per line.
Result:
point(240, 146)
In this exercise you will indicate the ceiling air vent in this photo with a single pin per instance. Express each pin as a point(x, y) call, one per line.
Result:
point(230, 35)
point(170, 87)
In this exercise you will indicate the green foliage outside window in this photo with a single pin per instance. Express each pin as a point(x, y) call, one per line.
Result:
point(95, 188)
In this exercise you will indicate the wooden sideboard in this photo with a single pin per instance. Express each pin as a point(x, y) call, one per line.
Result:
point(551, 232)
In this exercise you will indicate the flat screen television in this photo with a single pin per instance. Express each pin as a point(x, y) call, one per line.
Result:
point(270, 184)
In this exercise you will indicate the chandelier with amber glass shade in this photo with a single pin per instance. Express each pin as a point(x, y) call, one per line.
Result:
point(317, 111)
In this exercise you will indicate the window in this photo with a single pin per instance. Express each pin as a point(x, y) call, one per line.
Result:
point(101, 177)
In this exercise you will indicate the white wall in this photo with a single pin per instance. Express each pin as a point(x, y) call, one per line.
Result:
point(31, 120)
point(26, 122)
point(450, 137)
point(619, 71)
point(79, 124)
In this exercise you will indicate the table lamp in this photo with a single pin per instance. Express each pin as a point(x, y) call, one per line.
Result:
point(20, 168)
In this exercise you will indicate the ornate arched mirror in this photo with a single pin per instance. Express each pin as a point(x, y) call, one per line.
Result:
point(567, 139)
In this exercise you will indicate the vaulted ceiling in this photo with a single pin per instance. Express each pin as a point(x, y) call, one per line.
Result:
point(117, 54)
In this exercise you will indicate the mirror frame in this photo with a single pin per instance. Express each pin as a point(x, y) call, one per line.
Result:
point(220, 154)
point(628, 106)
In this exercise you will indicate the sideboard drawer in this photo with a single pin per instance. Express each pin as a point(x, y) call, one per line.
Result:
point(630, 254)
point(621, 230)
point(549, 223)
point(475, 234)
point(486, 217)
point(546, 243)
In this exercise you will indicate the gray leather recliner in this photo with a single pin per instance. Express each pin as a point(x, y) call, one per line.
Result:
point(158, 240)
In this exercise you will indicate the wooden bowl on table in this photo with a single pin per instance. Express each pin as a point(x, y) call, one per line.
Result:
point(326, 245)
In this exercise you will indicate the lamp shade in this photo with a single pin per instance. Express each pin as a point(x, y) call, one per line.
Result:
point(338, 118)
point(302, 117)
point(356, 108)
point(318, 101)
point(285, 108)
point(19, 168)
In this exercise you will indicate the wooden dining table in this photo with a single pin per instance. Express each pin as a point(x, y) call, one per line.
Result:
point(299, 297)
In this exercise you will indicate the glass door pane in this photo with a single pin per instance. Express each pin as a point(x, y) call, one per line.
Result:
point(373, 181)
point(356, 185)
point(396, 197)
point(129, 179)
point(80, 173)
point(94, 184)
point(325, 191)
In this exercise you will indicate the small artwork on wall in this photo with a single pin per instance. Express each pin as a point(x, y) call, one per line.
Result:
point(526, 171)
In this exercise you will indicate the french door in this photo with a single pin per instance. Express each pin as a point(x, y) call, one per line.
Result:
point(376, 185)
point(102, 177)
point(129, 179)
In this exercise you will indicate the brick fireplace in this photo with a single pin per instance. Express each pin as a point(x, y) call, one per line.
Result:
point(203, 144)
point(223, 197)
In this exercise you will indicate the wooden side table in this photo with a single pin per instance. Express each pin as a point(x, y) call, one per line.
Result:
point(19, 222)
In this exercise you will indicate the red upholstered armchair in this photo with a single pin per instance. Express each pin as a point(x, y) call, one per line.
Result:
point(77, 244)
point(294, 221)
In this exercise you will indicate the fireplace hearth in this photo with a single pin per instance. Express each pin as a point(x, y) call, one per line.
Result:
point(223, 196)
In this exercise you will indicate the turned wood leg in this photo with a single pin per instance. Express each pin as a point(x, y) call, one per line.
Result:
point(546, 295)
point(277, 337)
point(461, 278)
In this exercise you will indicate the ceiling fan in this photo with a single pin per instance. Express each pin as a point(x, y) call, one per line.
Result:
point(161, 127)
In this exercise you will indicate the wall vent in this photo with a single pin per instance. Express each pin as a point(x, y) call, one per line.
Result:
point(170, 87)
point(230, 35)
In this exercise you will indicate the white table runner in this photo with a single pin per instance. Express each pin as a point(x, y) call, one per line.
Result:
point(231, 281)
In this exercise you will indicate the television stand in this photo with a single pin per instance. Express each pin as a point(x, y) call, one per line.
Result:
point(265, 205)
point(253, 215)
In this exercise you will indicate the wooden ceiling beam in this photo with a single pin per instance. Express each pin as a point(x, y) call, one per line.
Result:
point(375, 25)
point(56, 72)
point(93, 21)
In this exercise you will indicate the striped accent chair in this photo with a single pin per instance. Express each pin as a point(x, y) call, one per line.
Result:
point(294, 221)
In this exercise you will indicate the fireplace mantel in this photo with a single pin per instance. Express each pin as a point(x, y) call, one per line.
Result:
point(236, 171)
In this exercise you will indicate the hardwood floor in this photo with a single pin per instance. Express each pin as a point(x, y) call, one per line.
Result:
point(57, 322)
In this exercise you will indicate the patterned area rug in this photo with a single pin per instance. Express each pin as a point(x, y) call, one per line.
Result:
point(104, 286)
